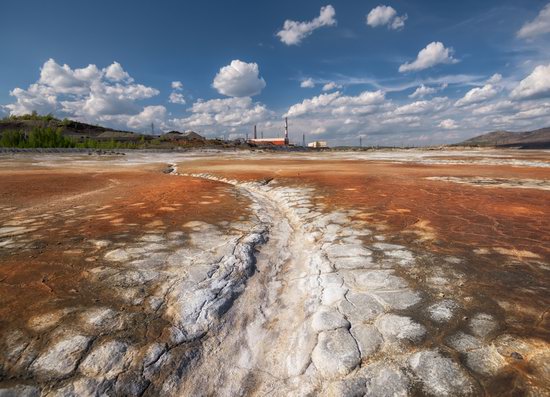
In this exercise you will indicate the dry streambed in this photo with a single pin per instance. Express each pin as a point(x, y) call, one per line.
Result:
point(295, 299)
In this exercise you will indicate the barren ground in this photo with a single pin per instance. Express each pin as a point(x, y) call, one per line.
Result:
point(339, 274)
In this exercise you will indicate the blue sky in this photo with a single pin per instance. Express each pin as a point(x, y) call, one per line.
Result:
point(337, 69)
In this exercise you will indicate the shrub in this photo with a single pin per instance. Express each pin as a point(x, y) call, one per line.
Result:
point(13, 139)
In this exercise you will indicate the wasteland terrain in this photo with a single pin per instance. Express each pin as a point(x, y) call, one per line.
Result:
point(379, 273)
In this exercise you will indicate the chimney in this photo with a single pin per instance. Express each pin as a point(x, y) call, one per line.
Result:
point(255, 135)
point(286, 130)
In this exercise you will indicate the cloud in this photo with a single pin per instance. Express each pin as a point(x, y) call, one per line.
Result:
point(177, 98)
point(307, 83)
point(142, 121)
point(226, 112)
point(115, 72)
point(433, 54)
point(37, 97)
point(337, 104)
point(64, 80)
point(491, 108)
point(536, 85)
point(478, 94)
point(448, 124)
point(331, 86)
point(435, 104)
point(385, 16)
point(422, 90)
point(294, 32)
point(239, 79)
point(539, 25)
point(495, 79)
point(88, 94)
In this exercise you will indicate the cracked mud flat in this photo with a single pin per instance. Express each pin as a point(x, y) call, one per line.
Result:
point(256, 274)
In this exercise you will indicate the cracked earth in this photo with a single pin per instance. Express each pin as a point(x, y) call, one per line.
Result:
point(337, 274)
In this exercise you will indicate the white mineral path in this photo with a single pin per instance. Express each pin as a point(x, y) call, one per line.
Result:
point(320, 306)
point(294, 301)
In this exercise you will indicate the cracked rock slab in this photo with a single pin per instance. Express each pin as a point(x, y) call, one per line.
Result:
point(483, 324)
point(441, 376)
point(336, 353)
point(385, 381)
point(328, 318)
point(360, 307)
point(61, 358)
point(485, 361)
point(396, 328)
point(107, 359)
point(442, 311)
point(368, 338)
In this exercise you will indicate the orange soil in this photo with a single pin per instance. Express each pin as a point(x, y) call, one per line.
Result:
point(51, 270)
point(502, 233)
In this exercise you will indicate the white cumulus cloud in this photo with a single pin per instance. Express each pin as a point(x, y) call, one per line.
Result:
point(337, 104)
point(433, 54)
point(478, 94)
point(539, 25)
point(307, 83)
point(88, 94)
point(448, 124)
point(239, 79)
point(418, 107)
point(115, 72)
point(385, 16)
point(331, 86)
point(177, 98)
point(226, 112)
point(536, 85)
point(422, 90)
point(294, 32)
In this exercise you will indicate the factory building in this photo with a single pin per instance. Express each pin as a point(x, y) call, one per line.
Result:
point(271, 141)
point(317, 144)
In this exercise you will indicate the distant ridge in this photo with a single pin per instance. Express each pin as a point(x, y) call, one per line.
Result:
point(69, 128)
point(537, 139)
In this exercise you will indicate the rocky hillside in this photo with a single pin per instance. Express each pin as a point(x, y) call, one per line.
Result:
point(529, 139)
point(69, 128)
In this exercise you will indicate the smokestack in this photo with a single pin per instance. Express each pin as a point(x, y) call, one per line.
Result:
point(286, 130)
point(255, 135)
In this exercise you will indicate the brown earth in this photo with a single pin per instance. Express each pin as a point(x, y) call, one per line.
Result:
point(58, 216)
point(503, 233)
point(66, 211)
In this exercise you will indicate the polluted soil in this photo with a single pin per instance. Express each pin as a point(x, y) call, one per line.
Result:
point(336, 274)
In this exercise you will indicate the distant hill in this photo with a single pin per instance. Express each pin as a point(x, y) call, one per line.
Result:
point(537, 139)
point(181, 136)
point(30, 130)
point(69, 128)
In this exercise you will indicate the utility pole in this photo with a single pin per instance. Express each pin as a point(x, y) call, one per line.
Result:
point(360, 141)
point(304, 140)
point(255, 135)
point(152, 128)
point(286, 130)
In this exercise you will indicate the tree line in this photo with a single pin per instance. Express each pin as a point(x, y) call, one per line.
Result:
point(47, 137)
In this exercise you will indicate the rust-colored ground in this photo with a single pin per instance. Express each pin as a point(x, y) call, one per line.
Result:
point(503, 233)
point(66, 210)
